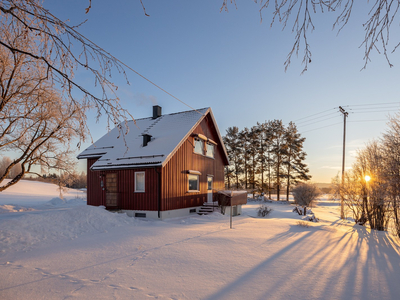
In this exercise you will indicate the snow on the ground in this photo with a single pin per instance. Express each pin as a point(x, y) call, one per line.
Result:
point(30, 193)
point(68, 250)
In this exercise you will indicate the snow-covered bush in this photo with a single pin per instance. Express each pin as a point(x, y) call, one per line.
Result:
point(312, 218)
point(305, 193)
point(263, 210)
point(298, 210)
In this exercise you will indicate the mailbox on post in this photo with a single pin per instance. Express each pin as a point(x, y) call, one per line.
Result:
point(232, 199)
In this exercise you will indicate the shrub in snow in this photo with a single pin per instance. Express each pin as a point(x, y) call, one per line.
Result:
point(304, 194)
point(312, 218)
point(302, 210)
point(303, 224)
point(298, 210)
point(263, 210)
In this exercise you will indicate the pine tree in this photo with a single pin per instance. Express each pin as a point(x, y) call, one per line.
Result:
point(278, 150)
point(245, 142)
point(268, 154)
point(296, 169)
point(234, 149)
point(253, 151)
point(261, 153)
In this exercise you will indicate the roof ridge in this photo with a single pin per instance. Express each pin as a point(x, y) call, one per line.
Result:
point(181, 112)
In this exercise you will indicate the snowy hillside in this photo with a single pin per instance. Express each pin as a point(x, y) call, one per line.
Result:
point(58, 249)
point(28, 193)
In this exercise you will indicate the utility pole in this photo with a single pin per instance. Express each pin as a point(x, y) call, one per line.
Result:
point(345, 114)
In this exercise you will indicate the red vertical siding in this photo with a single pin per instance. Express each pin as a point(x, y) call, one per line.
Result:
point(174, 178)
point(127, 197)
point(94, 190)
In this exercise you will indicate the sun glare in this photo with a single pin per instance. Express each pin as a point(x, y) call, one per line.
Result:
point(367, 178)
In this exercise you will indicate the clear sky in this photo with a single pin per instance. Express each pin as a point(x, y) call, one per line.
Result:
point(235, 64)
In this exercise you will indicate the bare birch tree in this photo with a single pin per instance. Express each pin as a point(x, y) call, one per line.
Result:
point(298, 16)
point(391, 149)
point(370, 162)
point(42, 107)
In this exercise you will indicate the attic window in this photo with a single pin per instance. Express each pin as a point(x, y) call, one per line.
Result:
point(210, 150)
point(198, 146)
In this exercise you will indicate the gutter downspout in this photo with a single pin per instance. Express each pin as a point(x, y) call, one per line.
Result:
point(158, 191)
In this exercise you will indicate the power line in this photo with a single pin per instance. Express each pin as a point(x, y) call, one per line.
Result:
point(376, 108)
point(368, 112)
point(372, 104)
point(368, 108)
point(302, 125)
point(323, 116)
point(321, 127)
point(315, 114)
point(137, 73)
point(358, 121)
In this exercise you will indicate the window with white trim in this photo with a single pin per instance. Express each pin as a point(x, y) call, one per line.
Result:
point(139, 182)
point(209, 183)
point(210, 150)
point(193, 183)
point(198, 146)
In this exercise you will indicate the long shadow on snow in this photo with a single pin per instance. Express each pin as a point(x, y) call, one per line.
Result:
point(349, 268)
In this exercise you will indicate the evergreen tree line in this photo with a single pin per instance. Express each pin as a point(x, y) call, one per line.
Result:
point(265, 158)
point(71, 180)
point(371, 189)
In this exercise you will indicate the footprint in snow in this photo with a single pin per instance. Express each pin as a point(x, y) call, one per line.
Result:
point(94, 280)
point(44, 273)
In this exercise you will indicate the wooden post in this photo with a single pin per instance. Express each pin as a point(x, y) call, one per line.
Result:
point(230, 202)
point(231, 216)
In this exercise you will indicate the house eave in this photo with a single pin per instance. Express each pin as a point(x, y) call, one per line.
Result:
point(126, 166)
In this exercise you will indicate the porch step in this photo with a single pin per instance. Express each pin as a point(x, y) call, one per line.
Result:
point(210, 204)
point(207, 208)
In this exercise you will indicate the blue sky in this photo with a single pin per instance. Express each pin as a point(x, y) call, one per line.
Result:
point(235, 64)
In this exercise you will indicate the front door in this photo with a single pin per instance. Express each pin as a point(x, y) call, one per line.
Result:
point(209, 189)
point(111, 190)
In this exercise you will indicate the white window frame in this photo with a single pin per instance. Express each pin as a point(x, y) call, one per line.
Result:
point(208, 182)
point(198, 183)
point(144, 182)
point(213, 150)
point(195, 141)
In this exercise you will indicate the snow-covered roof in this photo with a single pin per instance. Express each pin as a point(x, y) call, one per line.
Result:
point(168, 132)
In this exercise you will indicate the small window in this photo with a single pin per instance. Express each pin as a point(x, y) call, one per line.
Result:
point(198, 146)
point(193, 182)
point(209, 183)
point(210, 150)
point(139, 182)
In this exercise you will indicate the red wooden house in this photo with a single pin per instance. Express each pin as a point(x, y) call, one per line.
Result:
point(164, 166)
